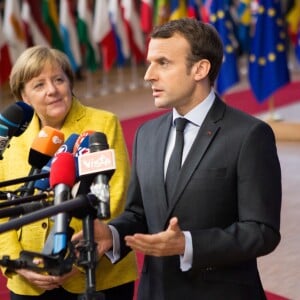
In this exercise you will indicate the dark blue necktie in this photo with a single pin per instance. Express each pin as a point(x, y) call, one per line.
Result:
point(174, 165)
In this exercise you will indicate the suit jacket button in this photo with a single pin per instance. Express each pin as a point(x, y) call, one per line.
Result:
point(44, 225)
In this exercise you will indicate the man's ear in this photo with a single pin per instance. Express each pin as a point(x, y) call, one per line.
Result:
point(202, 68)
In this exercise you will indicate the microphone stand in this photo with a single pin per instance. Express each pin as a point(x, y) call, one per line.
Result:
point(24, 179)
point(84, 207)
point(22, 200)
point(89, 259)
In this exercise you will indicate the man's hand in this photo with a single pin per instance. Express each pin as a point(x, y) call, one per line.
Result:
point(102, 236)
point(165, 243)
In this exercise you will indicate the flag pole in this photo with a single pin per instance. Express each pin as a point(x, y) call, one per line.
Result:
point(134, 76)
point(104, 89)
point(120, 80)
point(273, 116)
point(89, 85)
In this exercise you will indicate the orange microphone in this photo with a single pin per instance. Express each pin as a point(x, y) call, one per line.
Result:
point(43, 148)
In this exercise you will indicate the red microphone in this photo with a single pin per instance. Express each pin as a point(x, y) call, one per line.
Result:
point(62, 178)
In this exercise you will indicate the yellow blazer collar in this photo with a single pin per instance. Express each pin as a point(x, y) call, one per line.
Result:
point(76, 113)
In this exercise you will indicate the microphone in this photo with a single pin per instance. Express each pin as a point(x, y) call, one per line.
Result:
point(21, 200)
point(76, 206)
point(12, 117)
point(27, 117)
point(82, 143)
point(62, 178)
point(16, 118)
point(100, 161)
point(81, 147)
point(43, 183)
point(43, 148)
point(4, 139)
point(23, 209)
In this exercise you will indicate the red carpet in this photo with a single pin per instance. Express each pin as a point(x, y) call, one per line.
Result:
point(243, 100)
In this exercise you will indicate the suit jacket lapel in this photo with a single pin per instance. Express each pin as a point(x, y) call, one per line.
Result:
point(162, 139)
point(203, 140)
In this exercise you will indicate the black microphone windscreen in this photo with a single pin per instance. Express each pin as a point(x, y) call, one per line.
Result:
point(97, 141)
point(27, 117)
point(12, 117)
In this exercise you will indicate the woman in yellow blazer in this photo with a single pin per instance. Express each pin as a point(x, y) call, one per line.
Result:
point(43, 78)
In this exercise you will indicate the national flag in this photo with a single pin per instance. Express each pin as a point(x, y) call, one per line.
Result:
point(5, 61)
point(205, 10)
point(118, 25)
point(69, 34)
point(162, 12)
point(244, 21)
point(268, 69)
point(177, 9)
point(84, 28)
point(13, 29)
point(221, 20)
point(103, 34)
point(36, 31)
point(192, 10)
point(134, 31)
point(51, 20)
point(293, 21)
point(146, 13)
point(297, 48)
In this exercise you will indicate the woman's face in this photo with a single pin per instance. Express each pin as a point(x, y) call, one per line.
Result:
point(50, 95)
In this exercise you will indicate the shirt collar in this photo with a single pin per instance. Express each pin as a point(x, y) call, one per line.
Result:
point(199, 112)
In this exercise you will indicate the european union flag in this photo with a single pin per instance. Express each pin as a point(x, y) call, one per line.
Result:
point(222, 21)
point(297, 48)
point(268, 68)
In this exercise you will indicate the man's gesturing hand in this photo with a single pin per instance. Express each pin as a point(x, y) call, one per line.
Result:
point(165, 243)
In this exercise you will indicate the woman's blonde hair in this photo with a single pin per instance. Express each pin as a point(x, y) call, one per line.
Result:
point(31, 63)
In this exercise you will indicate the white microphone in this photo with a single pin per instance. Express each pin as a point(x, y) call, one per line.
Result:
point(101, 163)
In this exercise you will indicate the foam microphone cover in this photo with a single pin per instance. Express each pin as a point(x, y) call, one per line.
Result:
point(27, 117)
point(43, 184)
point(81, 147)
point(98, 142)
point(3, 131)
point(44, 146)
point(63, 170)
point(12, 117)
point(82, 143)
point(4, 139)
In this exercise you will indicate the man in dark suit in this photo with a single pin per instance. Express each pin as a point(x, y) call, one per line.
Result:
point(202, 238)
